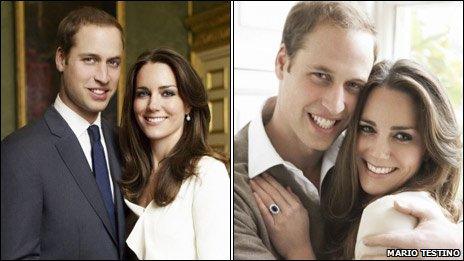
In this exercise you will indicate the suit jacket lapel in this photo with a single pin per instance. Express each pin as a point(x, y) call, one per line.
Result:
point(115, 167)
point(71, 152)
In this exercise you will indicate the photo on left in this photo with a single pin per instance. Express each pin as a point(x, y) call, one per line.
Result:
point(115, 130)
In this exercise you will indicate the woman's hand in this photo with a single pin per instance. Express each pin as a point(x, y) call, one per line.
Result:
point(289, 228)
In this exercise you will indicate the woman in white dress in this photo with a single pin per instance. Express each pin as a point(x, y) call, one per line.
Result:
point(175, 184)
point(402, 144)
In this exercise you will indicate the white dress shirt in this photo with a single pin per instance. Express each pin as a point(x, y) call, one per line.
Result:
point(79, 126)
point(263, 156)
point(196, 225)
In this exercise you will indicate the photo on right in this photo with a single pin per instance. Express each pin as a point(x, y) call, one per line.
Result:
point(347, 130)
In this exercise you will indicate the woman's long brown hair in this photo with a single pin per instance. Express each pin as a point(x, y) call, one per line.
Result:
point(343, 199)
point(181, 161)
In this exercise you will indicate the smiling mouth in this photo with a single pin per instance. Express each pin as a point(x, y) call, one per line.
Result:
point(379, 170)
point(323, 123)
point(98, 91)
point(155, 120)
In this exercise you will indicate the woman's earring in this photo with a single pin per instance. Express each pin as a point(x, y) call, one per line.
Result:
point(188, 117)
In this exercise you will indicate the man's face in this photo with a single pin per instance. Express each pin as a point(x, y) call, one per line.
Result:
point(90, 72)
point(317, 96)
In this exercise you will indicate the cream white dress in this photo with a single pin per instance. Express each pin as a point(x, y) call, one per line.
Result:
point(196, 225)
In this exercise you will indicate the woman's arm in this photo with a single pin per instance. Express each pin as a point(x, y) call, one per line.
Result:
point(289, 228)
point(380, 217)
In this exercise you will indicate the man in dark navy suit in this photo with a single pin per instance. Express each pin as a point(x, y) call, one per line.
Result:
point(59, 193)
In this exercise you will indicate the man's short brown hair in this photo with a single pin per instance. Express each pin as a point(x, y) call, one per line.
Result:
point(305, 16)
point(71, 24)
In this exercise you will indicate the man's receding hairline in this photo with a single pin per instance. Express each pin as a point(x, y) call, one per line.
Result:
point(318, 26)
point(306, 38)
point(100, 26)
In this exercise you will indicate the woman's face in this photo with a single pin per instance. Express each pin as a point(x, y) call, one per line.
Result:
point(390, 149)
point(158, 108)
